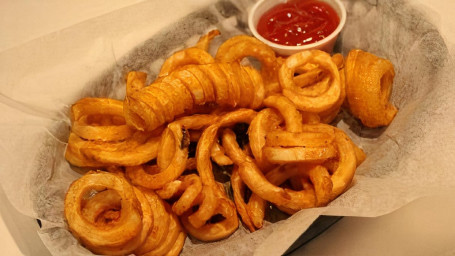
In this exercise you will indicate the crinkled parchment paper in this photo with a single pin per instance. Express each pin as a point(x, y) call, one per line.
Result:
point(40, 80)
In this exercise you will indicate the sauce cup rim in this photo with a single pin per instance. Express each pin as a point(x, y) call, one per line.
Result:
point(252, 27)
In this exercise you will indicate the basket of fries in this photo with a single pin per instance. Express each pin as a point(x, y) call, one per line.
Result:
point(196, 138)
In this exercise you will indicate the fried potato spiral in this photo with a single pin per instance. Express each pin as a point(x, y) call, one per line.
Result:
point(368, 87)
point(305, 98)
point(174, 167)
point(238, 47)
point(228, 86)
point(110, 216)
point(100, 137)
point(118, 237)
point(252, 211)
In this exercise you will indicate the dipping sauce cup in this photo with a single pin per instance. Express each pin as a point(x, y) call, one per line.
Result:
point(325, 44)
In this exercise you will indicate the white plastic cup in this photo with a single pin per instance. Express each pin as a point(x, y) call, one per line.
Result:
point(325, 44)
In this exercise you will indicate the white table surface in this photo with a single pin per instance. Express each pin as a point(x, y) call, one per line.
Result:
point(424, 227)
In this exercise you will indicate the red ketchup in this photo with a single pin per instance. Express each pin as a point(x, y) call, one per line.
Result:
point(298, 22)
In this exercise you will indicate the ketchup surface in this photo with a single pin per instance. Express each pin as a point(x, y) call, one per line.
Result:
point(298, 22)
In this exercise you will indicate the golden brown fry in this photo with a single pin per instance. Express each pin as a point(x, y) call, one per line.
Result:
point(205, 82)
point(185, 57)
point(204, 41)
point(219, 82)
point(298, 139)
point(347, 162)
point(258, 84)
point(329, 115)
point(161, 220)
point(99, 119)
point(280, 174)
point(208, 137)
point(279, 155)
point(288, 111)
point(369, 81)
point(151, 107)
point(139, 115)
point(309, 77)
point(233, 83)
point(173, 234)
point(302, 99)
point(238, 190)
point(238, 47)
point(218, 155)
point(178, 245)
point(187, 188)
point(258, 183)
point(95, 208)
point(166, 150)
point(96, 106)
point(197, 121)
point(192, 84)
point(138, 174)
point(360, 156)
point(322, 183)
point(252, 212)
point(265, 121)
point(310, 118)
point(117, 238)
point(214, 231)
point(135, 81)
point(247, 89)
point(256, 208)
point(179, 91)
point(104, 133)
point(138, 149)
point(74, 155)
point(207, 202)
point(213, 200)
